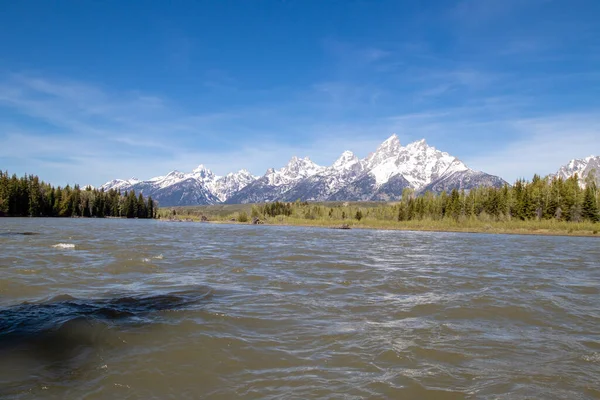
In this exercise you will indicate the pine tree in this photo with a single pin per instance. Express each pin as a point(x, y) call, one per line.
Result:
point(141, 209)
point(151, 208)
point(35, 197)
point(590, 208)
point(130, 205)
point(358, 215)
point(402, 212)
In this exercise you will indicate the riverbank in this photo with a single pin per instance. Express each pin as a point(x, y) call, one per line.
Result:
point(514, 227)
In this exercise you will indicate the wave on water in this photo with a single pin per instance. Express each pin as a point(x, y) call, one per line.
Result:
point(65, 333)
point(64, 246)
point(31, 318)
point(56, 320)
point(147, 260)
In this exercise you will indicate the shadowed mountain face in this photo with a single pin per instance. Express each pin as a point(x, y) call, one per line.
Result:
point(61, 337)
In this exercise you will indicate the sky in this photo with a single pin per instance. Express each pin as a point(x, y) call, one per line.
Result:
point(96, 90)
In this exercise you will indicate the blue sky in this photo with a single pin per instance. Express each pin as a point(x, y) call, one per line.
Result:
point(91, 91)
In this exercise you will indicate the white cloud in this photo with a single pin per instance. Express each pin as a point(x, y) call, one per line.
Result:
point(100, 134)
point(544, 145)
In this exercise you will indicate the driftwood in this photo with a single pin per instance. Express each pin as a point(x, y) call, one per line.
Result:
point(342, 226)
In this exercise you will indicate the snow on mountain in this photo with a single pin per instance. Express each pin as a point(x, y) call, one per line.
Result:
point(328, 180)
point(275, 183)
point(382, 175)
point(393, 167)
point(346, 161)
point(296, 169)
point(418, 162)
point(170, 179)
point(462, 179)
point(119, 183)
point(386, 151)
point(581, 167)
point(231, 183)
point(203, 174)
point(201, 186)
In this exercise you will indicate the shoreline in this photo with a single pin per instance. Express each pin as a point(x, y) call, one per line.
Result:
point(491, 230)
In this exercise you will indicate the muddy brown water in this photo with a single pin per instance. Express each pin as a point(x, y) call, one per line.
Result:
point(107, 309)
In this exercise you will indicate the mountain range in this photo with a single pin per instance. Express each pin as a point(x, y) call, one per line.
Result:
point(582, 167)
point(381, 176)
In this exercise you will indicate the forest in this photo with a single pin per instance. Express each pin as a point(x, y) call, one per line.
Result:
point(540, 206)
point(29, 197)
point(551, 199)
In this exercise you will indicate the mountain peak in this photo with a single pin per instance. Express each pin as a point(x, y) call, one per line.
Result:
point(202, 172)
point(346, 158)
point(392, 141)
point(389, 148)
point(582, 167)
point(390, 145)
point(381, 176)
point(299, 160)
point(299, 166)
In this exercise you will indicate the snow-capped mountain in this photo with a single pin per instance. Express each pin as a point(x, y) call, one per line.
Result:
point(393, 167)
point(201, 186)
point(382, 175)
point(275, 183)
point(119, 184)
point(581, 167)
point(231, 183)
point(418, 162)
point(328, 180)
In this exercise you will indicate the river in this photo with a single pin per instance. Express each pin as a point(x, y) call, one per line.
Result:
point(138, 309)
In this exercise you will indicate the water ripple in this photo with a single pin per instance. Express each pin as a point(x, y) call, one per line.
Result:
point(143, 309)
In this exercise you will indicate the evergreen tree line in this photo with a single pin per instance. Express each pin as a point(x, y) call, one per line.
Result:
point(29, 197)
point(273, 209)
point(539, 199)
point(542, 198)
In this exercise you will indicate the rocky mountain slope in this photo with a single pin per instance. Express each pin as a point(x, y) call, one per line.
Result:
point(382, 175)
point(581, 167)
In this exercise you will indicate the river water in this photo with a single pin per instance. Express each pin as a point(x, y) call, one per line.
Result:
point(107, 309)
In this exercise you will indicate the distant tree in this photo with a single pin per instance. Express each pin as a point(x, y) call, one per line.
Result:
point(141, 208)
point(401, 212)
point(358, 215)
point(151, 211)
point(590, 208)
point(130, 205)
point(35, 196)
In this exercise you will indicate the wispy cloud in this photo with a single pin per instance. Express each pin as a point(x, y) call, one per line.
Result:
point(102, 134)
point(542, 146)
point(347, 53)
point(73, 131)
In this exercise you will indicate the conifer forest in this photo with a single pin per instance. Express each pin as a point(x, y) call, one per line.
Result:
point(28, 196)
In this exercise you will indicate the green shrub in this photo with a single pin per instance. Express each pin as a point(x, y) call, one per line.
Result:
point(242, 217)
